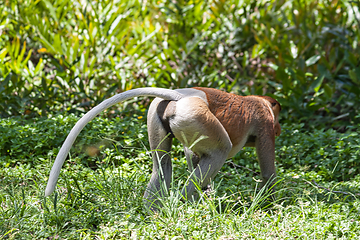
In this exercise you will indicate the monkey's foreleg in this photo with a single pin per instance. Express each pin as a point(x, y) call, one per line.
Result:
point(265, 150)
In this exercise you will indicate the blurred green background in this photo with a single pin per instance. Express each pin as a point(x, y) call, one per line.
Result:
point(69, 55)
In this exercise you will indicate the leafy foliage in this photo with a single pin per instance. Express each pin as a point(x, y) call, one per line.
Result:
point(24, 140)
point(99, 193)
point(327, 154)
point(64, 55)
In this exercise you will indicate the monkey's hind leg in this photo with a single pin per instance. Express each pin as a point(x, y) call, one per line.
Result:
point(204, 138)
point(160, 143)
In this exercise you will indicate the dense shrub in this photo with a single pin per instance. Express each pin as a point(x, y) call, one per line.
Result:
point(24, 142)
point(321, 154)
point(63, 55)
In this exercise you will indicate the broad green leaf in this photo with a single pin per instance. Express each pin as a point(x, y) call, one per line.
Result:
point(30, 68)
point(273, 66)
point(354, 75)
point(74, 48)
point(317, 83)
point(92, 31)
point(257, 51)
point(15, 47)
point(293, 49)
point(39, 66)
point(312, 60)
point(27, 58)
point(323, 72)
point(3, 54)
point(116, 22)
point(52, 10)
point(22, 53)
point(328, 90)
point(57, 44)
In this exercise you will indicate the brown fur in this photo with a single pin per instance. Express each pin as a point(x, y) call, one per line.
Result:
point(238, 114)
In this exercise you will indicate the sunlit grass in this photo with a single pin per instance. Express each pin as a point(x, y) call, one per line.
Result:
point(101, 197)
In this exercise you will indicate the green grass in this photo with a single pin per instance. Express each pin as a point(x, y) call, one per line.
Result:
point(101, 197)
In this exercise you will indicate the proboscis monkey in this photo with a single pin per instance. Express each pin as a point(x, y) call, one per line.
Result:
point(211, 124)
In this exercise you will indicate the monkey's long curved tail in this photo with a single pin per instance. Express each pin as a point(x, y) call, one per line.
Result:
point(60, 158)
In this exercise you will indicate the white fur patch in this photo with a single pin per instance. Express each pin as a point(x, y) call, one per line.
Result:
point(191, 92)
